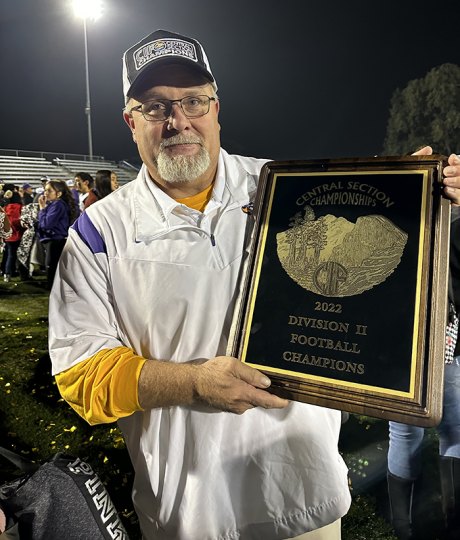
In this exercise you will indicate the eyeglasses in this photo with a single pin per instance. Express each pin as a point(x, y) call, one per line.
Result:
point(158, 110)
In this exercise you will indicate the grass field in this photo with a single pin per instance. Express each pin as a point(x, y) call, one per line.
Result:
point(36, 422)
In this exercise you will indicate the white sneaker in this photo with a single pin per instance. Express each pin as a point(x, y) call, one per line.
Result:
point(6, 278)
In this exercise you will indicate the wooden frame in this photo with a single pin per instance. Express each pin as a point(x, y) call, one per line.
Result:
point(344, 299)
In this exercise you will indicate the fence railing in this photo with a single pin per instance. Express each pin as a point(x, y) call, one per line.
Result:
point(128, 165)
point(49, 155)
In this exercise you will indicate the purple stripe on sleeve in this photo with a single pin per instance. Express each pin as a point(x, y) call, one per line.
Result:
point(89, 234)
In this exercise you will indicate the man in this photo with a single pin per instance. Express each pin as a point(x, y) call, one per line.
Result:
point(140, 318)
point(84, 184)
point(40, 190)
point(27, 194)
point(147, 292)
point(75, 193)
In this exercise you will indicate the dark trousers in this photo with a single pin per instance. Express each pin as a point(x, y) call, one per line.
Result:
point(53, 250)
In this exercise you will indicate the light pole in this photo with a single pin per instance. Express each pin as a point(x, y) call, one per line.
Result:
point(87, 9)
point(88, 97)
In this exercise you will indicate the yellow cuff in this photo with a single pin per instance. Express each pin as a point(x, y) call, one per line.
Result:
point(104, 387)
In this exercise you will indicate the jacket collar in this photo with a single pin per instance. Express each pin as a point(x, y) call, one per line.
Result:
point(155, 212)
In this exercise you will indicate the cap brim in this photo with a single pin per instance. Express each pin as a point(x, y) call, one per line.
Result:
point(141, 81)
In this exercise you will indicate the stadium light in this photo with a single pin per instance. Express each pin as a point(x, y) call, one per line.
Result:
point(88, 9)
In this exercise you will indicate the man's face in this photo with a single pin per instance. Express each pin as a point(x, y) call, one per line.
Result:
point(178, 149)
point(81, 185)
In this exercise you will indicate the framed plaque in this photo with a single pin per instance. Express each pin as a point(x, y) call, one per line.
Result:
point(344, 300)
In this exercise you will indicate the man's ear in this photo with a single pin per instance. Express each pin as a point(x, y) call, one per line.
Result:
point(128, 118)
point(218, 111)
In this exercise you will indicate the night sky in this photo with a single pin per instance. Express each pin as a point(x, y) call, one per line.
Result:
point(297, 79)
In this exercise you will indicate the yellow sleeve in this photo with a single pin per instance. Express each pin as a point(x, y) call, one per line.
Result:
point(104, 387)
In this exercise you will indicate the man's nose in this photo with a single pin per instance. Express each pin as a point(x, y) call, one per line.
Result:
point(177, 120)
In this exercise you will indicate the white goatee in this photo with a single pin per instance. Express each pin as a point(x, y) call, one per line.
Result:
point(182, 169)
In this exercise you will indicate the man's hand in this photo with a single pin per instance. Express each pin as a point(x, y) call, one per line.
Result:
point(227, 384)
point(451, 174)
point(451, 179)
point(223, 383)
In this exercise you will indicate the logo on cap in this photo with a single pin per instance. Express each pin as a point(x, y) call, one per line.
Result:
point(163, 47)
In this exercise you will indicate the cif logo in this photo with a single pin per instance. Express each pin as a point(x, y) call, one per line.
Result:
point(329, 276)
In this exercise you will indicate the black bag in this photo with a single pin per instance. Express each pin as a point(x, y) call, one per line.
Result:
point(62, 499)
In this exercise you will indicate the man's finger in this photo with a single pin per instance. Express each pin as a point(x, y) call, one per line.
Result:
point(252, 376)
point(266, 400)
point(453, 194)
point(454, 160)
point(425, 151)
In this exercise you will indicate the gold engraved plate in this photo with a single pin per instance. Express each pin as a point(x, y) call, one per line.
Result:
point(331, 256)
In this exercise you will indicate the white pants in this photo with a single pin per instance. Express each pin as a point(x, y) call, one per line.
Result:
point(329, 532)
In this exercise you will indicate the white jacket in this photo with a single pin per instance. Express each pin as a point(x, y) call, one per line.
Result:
point(143, 271)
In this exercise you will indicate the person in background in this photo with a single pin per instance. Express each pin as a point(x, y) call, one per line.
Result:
point(3, 188)
point(104, 185)
point(5, 227)
point(7, 190)
point(84, 183)
point(405, 450)
point(13, 212)
point(114, 180)
point(39, 190)
point(29, 222)
point(57, 212)
point(5, 232)
point(27, 194)
point(71, 184)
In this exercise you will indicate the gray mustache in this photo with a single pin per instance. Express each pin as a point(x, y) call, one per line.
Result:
point(178, 140)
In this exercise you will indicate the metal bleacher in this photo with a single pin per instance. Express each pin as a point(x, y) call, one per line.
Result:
point(19, 167)
point(17, 170)
point(75, 166)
